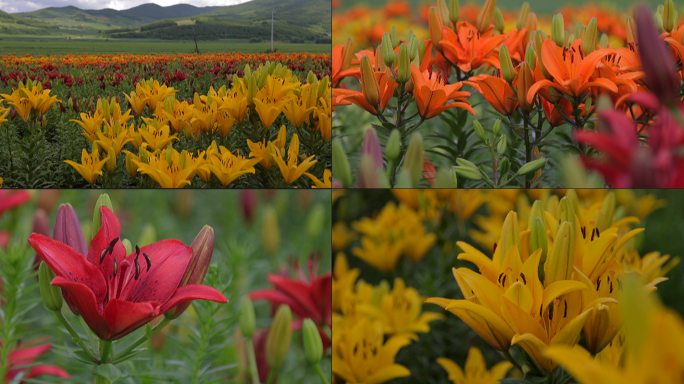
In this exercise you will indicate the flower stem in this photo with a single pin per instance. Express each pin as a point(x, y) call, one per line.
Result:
point(105, 349)
point(271, 377)
point(140, 340)
point(320, 373)
point(510, 358)
point(75, 336)
point(252, 361)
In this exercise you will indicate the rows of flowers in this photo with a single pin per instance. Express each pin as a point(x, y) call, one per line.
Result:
point(162, 123)
point(538, 285)
point(456, 95)
point(82, 302)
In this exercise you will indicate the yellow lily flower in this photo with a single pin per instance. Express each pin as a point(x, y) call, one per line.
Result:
point(475, 371)
point(342, 280)
point(324, 123)
point(170, 169)
point(115, 138)
point(228, 167)
point(653, 341)
point(341, 236)
point(296, 113)
point(157, 137)
point(327, 179)
point(224, 123)
point(132, 160)
point(90, 124)
point(90, 167)
point(291, 170)
point(204, 116)
point(0, 182)
point(21, 104)
point(268, 110)
point(363, 357)
point(179, 115)
point(137, 101)
point(261, 151)
point(3, 114)
point(278, 88)
point(235, 104)
point(154, 92)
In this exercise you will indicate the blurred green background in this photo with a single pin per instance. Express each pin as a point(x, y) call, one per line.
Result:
point(432, 276)
point(240, 264)
point(538, 6)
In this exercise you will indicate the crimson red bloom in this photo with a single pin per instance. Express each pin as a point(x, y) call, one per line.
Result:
point(25, 354)
point(308, 297)
point(117, 294)
point(8, 200)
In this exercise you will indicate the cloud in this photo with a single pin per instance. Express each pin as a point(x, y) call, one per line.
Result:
point(13, 6)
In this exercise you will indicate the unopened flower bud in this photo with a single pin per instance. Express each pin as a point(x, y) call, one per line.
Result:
point(504, 166)
point(590, 38)
point(270, 230)
point(604, 42)
point(605, 215)
point(413, 47)
point(404, 65)
point(657, 62)
point(532, 166)
point(507, 70)
point(52, 295)
point(247, 318)
point(558, 30)
point(341, 169)
point(111, 161)
point(127, 244)
point(413, 161)
point(510, 235)
point(479, 130)
point(561, 258)
point(369, 83)
point(538, 239)
point(394, 37)
point(525, 82)
point(454, 12)
point(658, 18)
point(103, 200)
point(669, 16)
point(248, 202)
point(435, 24)
point(522, 16)
point(484, 19)
point(631, 30)
point(501, 145)
point(499, 22)
point(387, 50)
point(443, 179)
point(279, 337)
point(496, 128)
point(40, 223)
point(313, 345)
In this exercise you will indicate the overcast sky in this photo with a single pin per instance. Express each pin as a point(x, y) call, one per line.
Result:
point(12, 6)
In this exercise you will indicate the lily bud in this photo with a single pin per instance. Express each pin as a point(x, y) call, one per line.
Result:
point(394, 37)
point(279, 337)
point(40, 222)
point(103, 200)
point(656, 59)
point(631, 30)
point(669, 16)
point(379, 59)
point(148, 235)
point(270, 230)
point(371, 148)
point(497, 127)
point(443, 11)
point(530, 58)
point(501, 145)
point(603, 41)
point(658, 18)
point(566, 210)
point(507, 70)
point(131, 168)
point(435, 24)
point(404, 65)
point(393, 146)
point(590, 38)
point(127, 244)
point(484, 19)
point(454, 12)
point(562, 255)
point(313, 345)
point(538, 240)
point(510, 235)
point(412, 48)
point(202, 250)
point(421, 50)
point(414, 158)
point(532, 166)
point(51, 294)
point(499, 22)
point(341, 168)
point(522, 16)
point(443, 179)
point(525, 82)
point(606, 213)
point(504, 166)
point(387, 50)
point(369, 83)
point(558, 30)
point(479, 130)
point(248, 202)
point(247, 318)
point(111, 161)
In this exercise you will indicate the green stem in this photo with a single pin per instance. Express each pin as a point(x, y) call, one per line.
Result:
point(140, 340)
point(252, 361)
point(271, 376)
point(75, 336)
point(510, 358)
point(320, 373)
point(101, 380)
point(105, 349)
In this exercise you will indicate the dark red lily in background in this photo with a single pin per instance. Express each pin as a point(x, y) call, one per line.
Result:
point(117, 294)
point(8, 200)
point(26, 354)
point(308, 297)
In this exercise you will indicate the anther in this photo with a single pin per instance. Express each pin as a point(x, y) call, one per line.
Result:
point(137, 269)
point(523, 277)
point(148, 261)
point(494, 248)
point(565, 312)
point(116, 267)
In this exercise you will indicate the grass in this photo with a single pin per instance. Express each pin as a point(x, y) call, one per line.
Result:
point(47, 45)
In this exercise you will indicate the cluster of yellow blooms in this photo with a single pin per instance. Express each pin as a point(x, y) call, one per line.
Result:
point(560, 267)
point(267, 92)
point(28, 98)
point(371, 324)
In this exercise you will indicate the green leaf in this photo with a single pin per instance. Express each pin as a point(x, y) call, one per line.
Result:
point(128, 355)
point(108, 371)
point(81, 356)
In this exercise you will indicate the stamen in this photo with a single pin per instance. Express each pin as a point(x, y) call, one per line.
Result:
point(494, 248)
point(137, 269)
point(597, 233)
point(148, 261)
point(565, 313)
point(584, 232)
point(102, 255)
point(116, 267)
point(523, 277)
point(598, 284)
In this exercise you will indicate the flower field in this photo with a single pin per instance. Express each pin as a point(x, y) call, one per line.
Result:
point(449, 94)
point(165, 286)
point(508, 286)
point(211, 120)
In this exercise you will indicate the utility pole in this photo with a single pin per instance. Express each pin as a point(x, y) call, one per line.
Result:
point(272, 12)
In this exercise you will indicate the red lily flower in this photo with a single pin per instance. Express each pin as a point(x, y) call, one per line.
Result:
point(308, 297)
point(117, 294)
point(10, 199)
point(26, 354)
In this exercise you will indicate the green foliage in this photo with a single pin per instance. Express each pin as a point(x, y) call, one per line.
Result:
point(158, 24)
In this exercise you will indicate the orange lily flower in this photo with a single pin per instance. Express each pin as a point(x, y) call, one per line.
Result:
point(497, 91)
point(571, 70)
point(339, 55)
point(431, 93)
point(470, 49)
point(387, 87)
